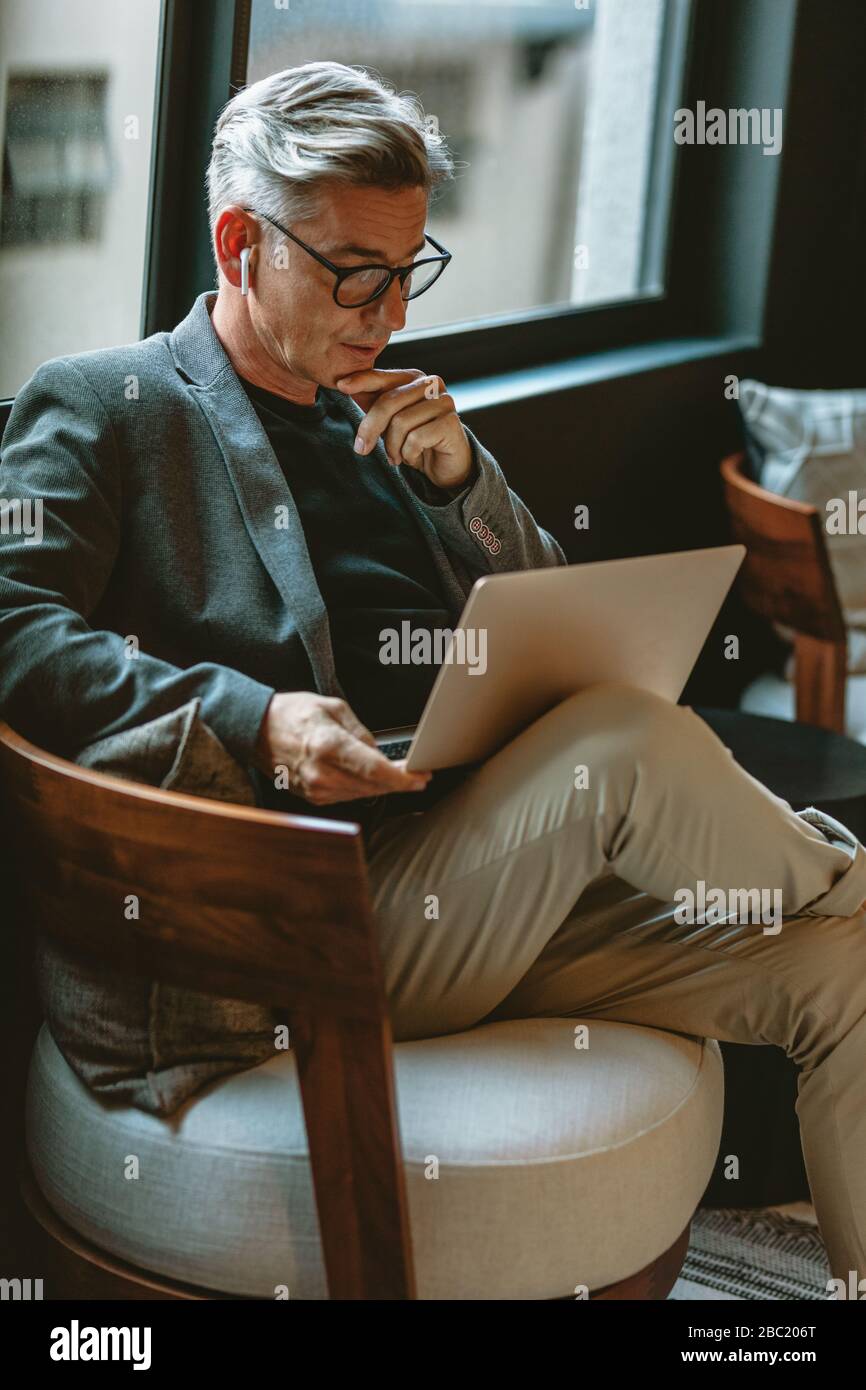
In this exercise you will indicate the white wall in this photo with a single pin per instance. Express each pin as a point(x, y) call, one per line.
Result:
point(67, 297)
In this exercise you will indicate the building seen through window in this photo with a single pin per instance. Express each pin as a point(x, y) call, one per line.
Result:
point(56, 167)
point(559, 118)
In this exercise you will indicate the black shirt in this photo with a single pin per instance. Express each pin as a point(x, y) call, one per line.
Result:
point(370, 558)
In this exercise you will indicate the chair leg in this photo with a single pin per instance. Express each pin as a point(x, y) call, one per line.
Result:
point(656, 1280)
point(821, 670)
point(346, 1075)
point(653, 1283)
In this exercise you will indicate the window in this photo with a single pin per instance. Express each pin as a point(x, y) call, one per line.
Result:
point(55, 159)
point(559, 116)
point(77, 86)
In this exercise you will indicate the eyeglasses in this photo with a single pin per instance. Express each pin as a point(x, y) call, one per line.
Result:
point(361, 284)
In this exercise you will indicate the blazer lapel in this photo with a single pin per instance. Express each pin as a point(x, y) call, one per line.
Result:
point(261, 489)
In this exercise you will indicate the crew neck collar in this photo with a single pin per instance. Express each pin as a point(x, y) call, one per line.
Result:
point(287, 410)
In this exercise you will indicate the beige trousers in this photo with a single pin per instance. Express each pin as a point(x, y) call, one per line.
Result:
point(554, 879)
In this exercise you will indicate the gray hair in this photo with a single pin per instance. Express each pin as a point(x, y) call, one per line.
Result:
point(280, 141)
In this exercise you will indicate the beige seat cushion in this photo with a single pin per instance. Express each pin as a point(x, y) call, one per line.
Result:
point(557, 1166)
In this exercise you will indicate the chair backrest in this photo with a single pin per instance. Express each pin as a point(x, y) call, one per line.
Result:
point(786, 577)
point(247, 904)
point(786, 574)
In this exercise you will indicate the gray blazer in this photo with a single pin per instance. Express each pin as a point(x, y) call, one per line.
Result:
point(161, 575)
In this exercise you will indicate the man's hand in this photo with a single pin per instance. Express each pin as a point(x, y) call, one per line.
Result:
point(329, 754)
point(416, 419)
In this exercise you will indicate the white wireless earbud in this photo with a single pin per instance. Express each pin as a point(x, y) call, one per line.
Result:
point(245, 270)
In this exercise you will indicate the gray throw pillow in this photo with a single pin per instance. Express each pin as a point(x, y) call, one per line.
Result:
point(811, 446)
point(130, 1039)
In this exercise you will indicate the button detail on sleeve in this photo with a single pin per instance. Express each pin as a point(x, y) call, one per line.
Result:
point(485, 535)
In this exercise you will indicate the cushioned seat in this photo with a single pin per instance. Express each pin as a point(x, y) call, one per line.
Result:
point(557, 1166)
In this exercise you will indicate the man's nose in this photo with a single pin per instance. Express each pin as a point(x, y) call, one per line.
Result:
point(391, 307)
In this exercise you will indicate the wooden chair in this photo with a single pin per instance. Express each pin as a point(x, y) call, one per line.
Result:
point(244, 904)
point(786, 577)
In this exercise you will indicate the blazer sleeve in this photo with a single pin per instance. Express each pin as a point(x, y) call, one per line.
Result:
point(62, 683)
point(486, 524)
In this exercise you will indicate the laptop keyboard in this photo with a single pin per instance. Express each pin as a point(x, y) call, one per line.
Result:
point(395, 751)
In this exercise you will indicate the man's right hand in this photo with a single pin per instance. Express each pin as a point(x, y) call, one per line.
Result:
point(329, 754)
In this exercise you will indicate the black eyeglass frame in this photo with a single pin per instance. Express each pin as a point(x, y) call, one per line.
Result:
point(343, 272)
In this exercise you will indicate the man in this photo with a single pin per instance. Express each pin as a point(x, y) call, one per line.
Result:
point(245, 504)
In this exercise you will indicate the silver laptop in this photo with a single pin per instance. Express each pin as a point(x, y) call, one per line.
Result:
point(530, 638)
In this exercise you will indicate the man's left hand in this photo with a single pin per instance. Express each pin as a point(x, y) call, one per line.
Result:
point(417, 422)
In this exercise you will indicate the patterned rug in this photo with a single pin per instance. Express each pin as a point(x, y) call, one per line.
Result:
point(754, 1253)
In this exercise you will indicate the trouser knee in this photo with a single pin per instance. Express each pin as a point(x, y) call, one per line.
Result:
point(624, 721)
